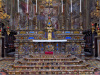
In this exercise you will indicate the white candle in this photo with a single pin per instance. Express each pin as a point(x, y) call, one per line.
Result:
point(71, 5)
point(36, 6)
point(27, 6)
point(80, 6)
point(18, 5)
point(62, 6)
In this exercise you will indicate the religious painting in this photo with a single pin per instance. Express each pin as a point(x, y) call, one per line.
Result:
point(53, 13)
point(76, 15)
point(54, 22)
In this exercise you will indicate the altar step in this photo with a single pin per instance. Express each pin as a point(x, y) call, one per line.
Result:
point(50, 59)
point(51, 71)
point(49, 56)
point(49, 64)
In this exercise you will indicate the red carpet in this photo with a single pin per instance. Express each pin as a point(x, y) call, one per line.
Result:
point(48, 52)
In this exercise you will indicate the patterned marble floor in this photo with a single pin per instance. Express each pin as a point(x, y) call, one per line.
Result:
point(5, 63)
point(95, 63)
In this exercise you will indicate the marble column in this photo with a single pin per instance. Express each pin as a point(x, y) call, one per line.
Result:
point(99, 13)
point(11, 14)
point(58, 16)
point(87, 13)
point(67, 15)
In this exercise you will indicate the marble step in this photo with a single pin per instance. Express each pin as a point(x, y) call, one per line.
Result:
point(49, 62)
point(51, 70)
point(49, 56)
point(38, 66)
point(37, 59)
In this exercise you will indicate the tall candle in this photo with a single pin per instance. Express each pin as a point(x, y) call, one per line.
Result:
point(27, 5)
point(18, 5)
point(71, 5)
point(62, 6)
point(80, 6)
point(36, 6)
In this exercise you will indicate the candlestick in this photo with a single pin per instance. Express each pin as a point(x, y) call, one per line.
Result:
point(36, 6)
point(27, 5)
point(18, 5)
point(80, 6)
point(62, 6)
point(71, 5)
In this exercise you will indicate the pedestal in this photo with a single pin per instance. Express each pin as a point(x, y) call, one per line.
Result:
point(82, 52)
point(16, 51)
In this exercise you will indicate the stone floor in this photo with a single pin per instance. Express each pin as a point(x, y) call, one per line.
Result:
point(5, 63)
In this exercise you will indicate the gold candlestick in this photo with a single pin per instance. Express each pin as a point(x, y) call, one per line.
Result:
point(81, 21)
point(8, 31)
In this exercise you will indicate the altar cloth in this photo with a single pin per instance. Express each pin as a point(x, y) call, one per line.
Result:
point(49, 40)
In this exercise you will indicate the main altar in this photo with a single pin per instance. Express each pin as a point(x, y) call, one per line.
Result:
point(50, 33)
point(49, 45)
point(48, 40)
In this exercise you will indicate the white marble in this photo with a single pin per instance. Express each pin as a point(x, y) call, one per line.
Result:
point(49, 40)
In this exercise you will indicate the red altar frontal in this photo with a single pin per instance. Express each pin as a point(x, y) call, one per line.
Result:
point(48, 52)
